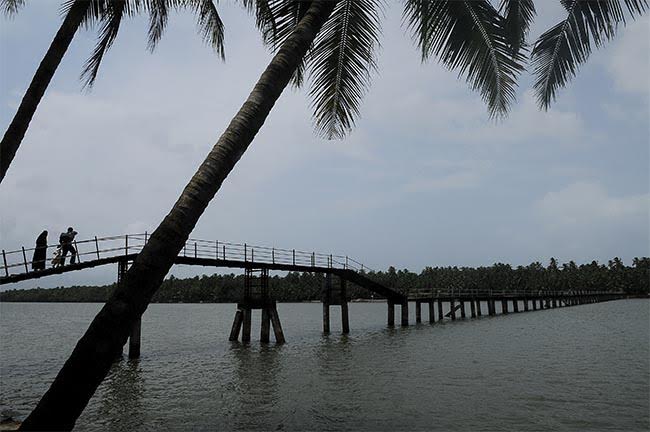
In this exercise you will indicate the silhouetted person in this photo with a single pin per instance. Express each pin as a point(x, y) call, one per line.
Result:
point(40, 252)
point(65, 241)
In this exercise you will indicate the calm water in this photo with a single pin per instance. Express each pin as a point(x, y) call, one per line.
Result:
point(579, 368)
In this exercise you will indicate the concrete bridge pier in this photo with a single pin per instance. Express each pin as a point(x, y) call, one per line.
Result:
point(418, 311)
point(391, 314)
point(472, 306)
point(336, 297)
point(256, 296)
point(405, 313)
point(504, 306)
point(440, 315)
point(515, 305)
point(525, 304)
point(432, 316)
point(462, 309)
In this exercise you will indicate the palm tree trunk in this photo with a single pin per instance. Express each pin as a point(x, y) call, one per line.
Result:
point(92, 357)
point(18, 126)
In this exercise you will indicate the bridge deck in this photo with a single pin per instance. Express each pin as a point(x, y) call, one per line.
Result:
point(205, 253)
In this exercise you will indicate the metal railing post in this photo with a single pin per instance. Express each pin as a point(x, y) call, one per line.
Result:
point(346, 262)
point(245, 253)
point(313, 259)
point(224, 252)
point(126, 244)
point(216, 249)
point(76, 248)
point(273, 255)
point(25, 260)
point(145, 237)
point(97, 246)
point(195, 252)
point(252, 254)
point(294, 257)
point(4, 258)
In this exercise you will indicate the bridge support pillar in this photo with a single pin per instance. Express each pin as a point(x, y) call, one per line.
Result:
point(472, 307)
point(515, 305)
point(462, 309)
point(554, 302)
point(440, 315)
point(491, 307)
point(405, 314)
point(345, 320)
point(277, 327)
point(478, 307)
point(326, 318)
point(391, 314)
point(432, 316)
point(452, 310)
point(418, 312)
point(525, 304)
point(266, 326)
point(236, 325)
point(246, 333)
point(134, 339)
point(504, 306)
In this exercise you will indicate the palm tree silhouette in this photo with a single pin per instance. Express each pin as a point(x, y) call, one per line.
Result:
point(334, 42)
point(108, 15)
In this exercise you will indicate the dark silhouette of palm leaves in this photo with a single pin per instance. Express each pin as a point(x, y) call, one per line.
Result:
point(10, 7)
point(559, 52)
point(470, 37)
point(487, 47)
point(518, 16)
point(343, 56)
point(109, 15)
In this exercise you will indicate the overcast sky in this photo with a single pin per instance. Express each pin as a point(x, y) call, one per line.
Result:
point(426, 178)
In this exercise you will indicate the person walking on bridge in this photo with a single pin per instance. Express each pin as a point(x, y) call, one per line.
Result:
point(65, 241)
point(40, 251)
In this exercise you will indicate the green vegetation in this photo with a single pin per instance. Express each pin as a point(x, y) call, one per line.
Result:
point(294, 286)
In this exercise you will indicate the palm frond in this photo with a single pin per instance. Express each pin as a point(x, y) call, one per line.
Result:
point(559, 52)
point(286, 16)
point(110, 25)
point(11, 7)
point(342, 59)
point(264, 18)
point(471, 37)
point(518, 16)
point(209, 24)
point(158, 17)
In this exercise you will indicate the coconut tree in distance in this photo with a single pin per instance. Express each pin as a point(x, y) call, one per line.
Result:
point(108, 14)
point(334, 43)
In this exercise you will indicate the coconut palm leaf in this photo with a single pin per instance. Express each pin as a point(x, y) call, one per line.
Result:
point(559, 52)
point(471, 37)
point(286, 16)
point(11, 7)
point(342, 59)
point(110, 22)
point(109, 13)
point(518, 16)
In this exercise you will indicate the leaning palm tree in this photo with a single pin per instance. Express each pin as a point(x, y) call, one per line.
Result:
point(334, 42)
point(108, 14)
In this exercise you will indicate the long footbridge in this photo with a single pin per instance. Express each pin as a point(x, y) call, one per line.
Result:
point(257, 261)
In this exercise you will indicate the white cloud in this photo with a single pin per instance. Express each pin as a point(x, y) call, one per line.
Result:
point(583, 216)
point(628, 59)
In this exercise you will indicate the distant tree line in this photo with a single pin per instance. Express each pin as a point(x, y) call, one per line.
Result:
point(296, 287)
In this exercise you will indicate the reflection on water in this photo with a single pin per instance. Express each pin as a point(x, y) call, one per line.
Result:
point(121, 400)
point(570, 369)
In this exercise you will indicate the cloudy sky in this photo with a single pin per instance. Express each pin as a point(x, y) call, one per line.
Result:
point(426, 178)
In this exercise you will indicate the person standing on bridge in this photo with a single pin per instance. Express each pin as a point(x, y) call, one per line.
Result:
point(40, 251)
point(65, 241)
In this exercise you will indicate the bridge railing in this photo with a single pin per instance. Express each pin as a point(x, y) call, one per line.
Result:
point(22, 260)
point(427, 293)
